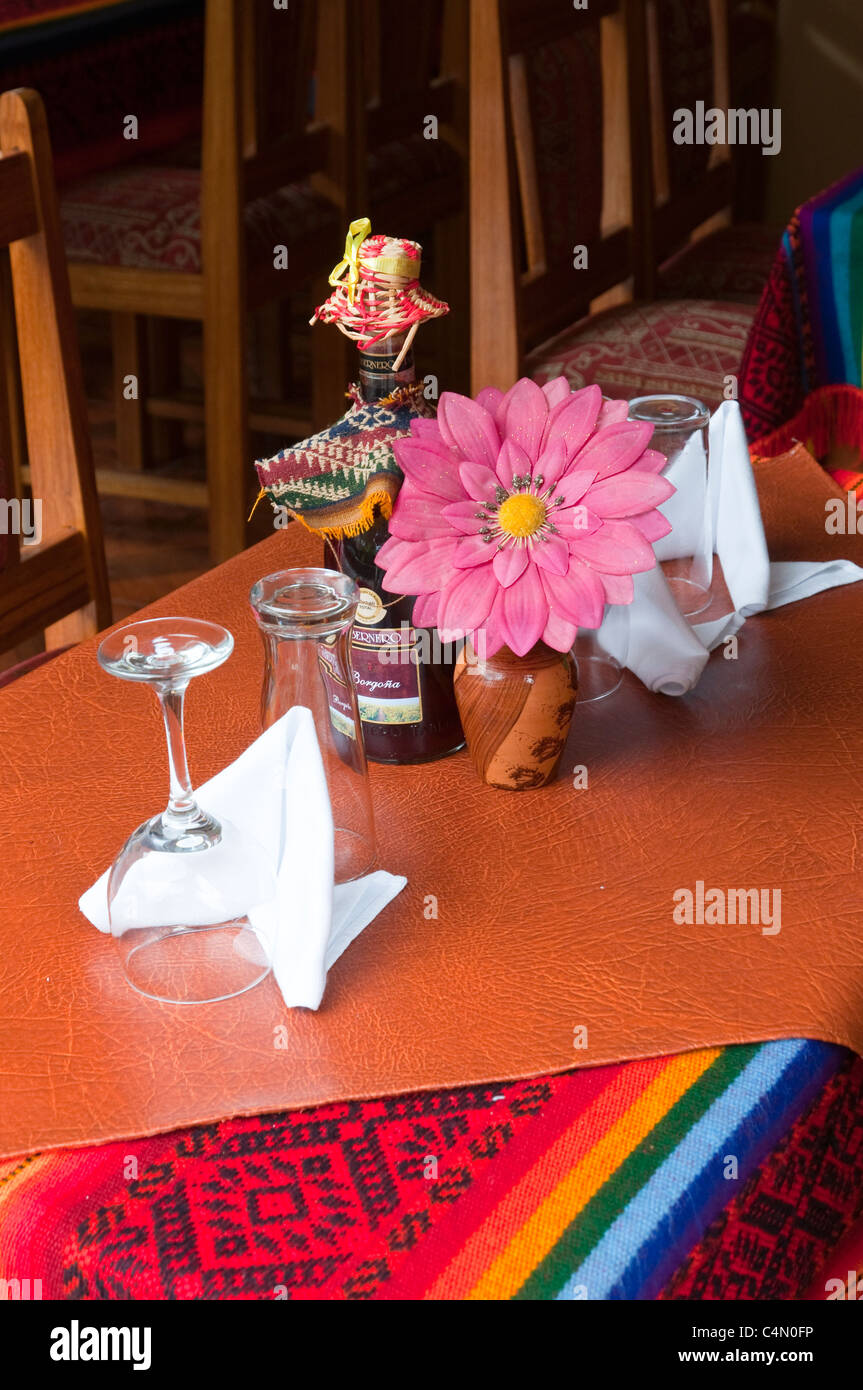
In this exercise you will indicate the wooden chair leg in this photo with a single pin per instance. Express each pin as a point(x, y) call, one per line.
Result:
point(130, 388)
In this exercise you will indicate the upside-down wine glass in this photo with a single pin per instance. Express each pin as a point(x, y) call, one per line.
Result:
point(186, 892)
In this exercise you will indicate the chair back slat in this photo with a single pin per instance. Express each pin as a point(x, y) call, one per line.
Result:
point(58, 441)
point(686, 44)
point(539, 100)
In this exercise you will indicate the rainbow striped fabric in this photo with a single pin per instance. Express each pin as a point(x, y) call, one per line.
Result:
point(594, 1184)
point(829, 262)
point(605, 1194)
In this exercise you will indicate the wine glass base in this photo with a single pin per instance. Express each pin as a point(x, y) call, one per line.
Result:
point(194, 965)
point(353, 855)
point(691, 598)
point(598, 676)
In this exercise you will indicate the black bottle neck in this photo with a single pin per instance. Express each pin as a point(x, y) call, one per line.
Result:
point(378, 375)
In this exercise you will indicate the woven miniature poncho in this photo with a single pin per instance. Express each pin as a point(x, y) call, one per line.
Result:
point(339, 479)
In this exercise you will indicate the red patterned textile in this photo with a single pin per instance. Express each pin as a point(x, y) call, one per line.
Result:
point(687, 346)
point(771, 390)
point(335, 1202)
point(733, 263)
point(149, 216)
point(153, 69)
point(772, 1240)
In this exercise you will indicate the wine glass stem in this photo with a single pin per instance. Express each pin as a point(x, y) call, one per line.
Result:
point(182, 806)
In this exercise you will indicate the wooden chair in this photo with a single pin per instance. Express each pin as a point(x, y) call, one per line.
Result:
point(689, 189)
point(556, 211)
point(538, 184)
point(257, 142)
point(61, 585)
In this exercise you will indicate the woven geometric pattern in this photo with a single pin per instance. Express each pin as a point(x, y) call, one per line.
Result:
point(686, 346)
point(594, 1184)
point(772, 1240)
point(337, 477)
point(149, 216)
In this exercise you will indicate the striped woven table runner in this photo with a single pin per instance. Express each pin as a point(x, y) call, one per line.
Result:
point(594, 1184)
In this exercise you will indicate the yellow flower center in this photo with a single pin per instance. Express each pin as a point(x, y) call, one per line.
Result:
point(521, 515)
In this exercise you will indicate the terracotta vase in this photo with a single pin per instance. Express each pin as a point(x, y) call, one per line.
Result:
point(516, 712)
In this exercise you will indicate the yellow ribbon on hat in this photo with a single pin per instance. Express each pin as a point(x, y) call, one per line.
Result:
point(357, 233)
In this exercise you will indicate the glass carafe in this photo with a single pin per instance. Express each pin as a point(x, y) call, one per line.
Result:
point(305, 618)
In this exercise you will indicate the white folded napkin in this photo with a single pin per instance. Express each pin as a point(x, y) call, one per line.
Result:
point(665, 651)
point(277, 792)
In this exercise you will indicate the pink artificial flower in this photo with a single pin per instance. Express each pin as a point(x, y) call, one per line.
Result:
point(523, 514)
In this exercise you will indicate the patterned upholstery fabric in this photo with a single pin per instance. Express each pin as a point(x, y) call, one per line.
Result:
point(733, 263)
point(149, 216)
point(687, 346)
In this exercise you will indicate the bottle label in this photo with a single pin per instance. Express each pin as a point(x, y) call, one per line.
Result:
point(370, 608)
point(338, 696)
point(386, 675)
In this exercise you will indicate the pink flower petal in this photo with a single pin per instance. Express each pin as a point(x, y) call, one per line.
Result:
point(617, 547)
point(465, 603)
point(573, 486)
point(577, 596)
point(556, 390)
point(425, 610)
point(469, 428)
point(422, 568)
point(618, 588)
point(512, 461)
point(526, 414)
point(489, 637)
point(628, 494)
point(612, 413)
point(525, 612)
point(652, 525)
point(463, 517)
point(551, 553)
point(559, 634)
point(426, 430)
point(418, 518)
point(615, 448)
point(510, 564)
point(574, 419)
point(551, 463)
point(471, 551)
point(479, 482)
point(433, 471)
point(578, 520)
point(651, 461)
point(394, 549)
point(489, 398)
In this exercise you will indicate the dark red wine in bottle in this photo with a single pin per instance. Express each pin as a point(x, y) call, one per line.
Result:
point(403, 674)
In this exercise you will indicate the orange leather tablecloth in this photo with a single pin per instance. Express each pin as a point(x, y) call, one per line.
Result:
point(555, 906)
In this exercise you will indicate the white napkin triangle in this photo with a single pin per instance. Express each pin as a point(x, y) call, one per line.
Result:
point(665, 651)
point(277, 792)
